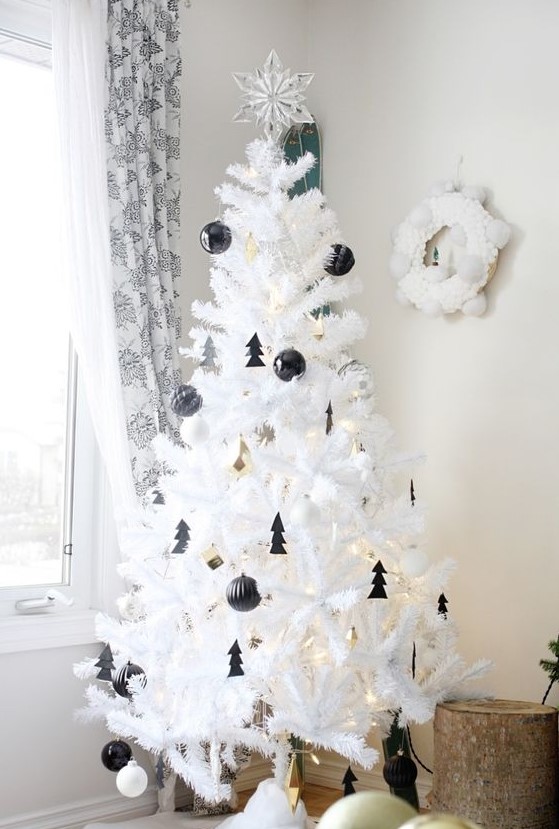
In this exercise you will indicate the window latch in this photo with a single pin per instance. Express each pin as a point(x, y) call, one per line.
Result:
point(44, 603)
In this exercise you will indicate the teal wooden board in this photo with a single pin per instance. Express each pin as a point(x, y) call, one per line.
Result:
point(298, 140)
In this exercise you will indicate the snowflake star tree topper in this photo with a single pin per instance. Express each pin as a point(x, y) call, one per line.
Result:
point(273, 97)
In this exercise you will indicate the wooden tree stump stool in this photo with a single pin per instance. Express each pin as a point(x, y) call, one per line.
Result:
point(496, 763)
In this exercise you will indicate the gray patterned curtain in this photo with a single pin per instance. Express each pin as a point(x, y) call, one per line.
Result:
point(142, 121)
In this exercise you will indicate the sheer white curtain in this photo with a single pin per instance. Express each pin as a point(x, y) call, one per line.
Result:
point(79, 51)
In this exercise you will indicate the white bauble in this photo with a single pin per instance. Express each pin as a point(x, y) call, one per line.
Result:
point(305, 512)
point(132, 781)
point(414, 563)
point(437, 821)
point(431, 307)
point(470, 268)
point(498, 232)
point(458, 235)
point(475, 192)
point(367, 810)
point(194, 430)
point(436, 273)
point(399, 265)
point(420, 216)
point(476, 306)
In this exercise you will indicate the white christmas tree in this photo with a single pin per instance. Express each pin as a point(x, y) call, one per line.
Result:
point(278, 589)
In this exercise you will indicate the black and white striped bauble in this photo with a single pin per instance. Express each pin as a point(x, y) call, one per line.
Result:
point(123, 674)
point(339, 261)
point(185, 401)
point(242, 593)
point(399, 771)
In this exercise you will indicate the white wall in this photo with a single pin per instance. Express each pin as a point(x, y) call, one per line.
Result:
point(402, 90)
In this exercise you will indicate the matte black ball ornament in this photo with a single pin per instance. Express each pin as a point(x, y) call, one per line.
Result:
point(399, 771)
point(115, 755)
point(215, 237)
point(242, 593)
point(123, 674)
point(185, 401)
point(289, 364)
point(340, 261)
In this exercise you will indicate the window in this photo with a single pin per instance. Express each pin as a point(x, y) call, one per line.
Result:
point(53, 511)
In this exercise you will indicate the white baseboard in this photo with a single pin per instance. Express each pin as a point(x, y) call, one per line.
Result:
point(75, 815)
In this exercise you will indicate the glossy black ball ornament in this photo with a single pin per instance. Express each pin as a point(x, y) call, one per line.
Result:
point(185, 401)
point(115, 755)
point(399, 771)
point(123, 674)
point(340, 261)
point(289, 364)
point(215, 237)
point(242, 593)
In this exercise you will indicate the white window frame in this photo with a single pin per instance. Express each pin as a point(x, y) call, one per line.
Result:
point(94, 583)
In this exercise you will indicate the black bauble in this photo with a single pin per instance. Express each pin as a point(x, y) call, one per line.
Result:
point(289, 364)
point(340, 261)
point(215, 237)
point(242, 593)
point(185, 401)
point(123, 674)
point(115, 755)
point(399, 771)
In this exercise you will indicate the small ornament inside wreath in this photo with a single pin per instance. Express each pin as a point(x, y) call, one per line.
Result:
point(439, 288)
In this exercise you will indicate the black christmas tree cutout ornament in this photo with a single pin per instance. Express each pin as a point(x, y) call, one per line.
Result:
point(442, 608)
point(209, 353)
point(182, 538)
point(289, 365)
point(242, 593)
point(115, 755)
point(106, 664)
point(348, 780)
point(158, 497)
point(160, 772)
point(329, 420)
point(278, 541)
point(378, 591)
point(215, 237)
point(339, 261)
point(412, 493)
point(185, 401)
point(123, 675)
point(255, 352)
point(399, 771)
point(235, 662)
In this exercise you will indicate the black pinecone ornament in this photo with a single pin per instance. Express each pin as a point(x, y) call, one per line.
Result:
point(399, 771)
point(242, 593)
point(289, 364)
point(339, 261)
point(115, 755)
point(123, 674)
point(185, 401)
point(215, 237)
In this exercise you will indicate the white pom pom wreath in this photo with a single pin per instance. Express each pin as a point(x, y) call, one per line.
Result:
point(472, 227)
point(132, 781)
point(475, 307)
point(421, 216)
point(470, 268)
point(498, 232)
point(399, 265)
